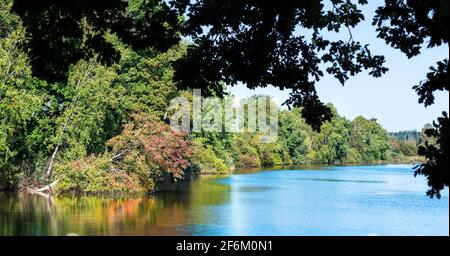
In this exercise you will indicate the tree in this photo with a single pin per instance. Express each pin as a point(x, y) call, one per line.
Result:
point(255, 42)
point(205, 159)
point(284, 44)
point(147, 151)
point(407, 25)
point(331, 144)
point(424, 138)
point(21, 100)
point(369, 139)
point(73, 30)
point(90, 112)
point(295, 135)
point(153, 146)
point(146, 77)
point(436, 169)
point(271, 51)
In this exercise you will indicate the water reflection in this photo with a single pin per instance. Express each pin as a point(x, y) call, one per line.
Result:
point(333, 200)
point(164, 214)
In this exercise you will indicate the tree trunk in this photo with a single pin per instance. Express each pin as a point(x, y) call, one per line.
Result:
point(43, 189)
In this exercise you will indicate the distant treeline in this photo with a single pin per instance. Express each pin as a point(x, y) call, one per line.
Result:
point(340, 141)
point(405, 135)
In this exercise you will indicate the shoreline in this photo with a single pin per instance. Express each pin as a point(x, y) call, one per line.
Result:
point(192, 176)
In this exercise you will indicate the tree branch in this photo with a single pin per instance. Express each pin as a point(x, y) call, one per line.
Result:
point(43, 189)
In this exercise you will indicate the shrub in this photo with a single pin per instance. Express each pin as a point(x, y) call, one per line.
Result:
point(96, 175)
point(249, 161)
point(206, 160)
point(146, 152)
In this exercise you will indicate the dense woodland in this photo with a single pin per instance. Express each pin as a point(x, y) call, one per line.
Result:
point(88, 124)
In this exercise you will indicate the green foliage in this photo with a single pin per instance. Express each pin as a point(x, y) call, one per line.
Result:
point(146, 78)
point(332, 143)
point(437, 167)
point(102, 65)
point(95, 175)
point(255, 42)
point(295, 136)
point(246, 153)
point(20, 101)
point(405, 135)
point(414, 25)
point(42, 123)
point(146, 152)
point(92, 112)
point(70, 31)
point(205, 159)
point(369, 139)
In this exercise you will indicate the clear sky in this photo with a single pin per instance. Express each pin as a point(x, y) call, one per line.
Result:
point(389, 99)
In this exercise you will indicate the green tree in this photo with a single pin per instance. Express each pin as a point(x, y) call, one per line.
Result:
point(70, 31)
point(295, 135)
point(20, 101)
point(369, 139)
point(246, 153)
point(205, 159)
point(331, 144)
point(146, 77)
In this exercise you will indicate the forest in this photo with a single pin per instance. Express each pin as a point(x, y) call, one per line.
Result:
point(88, 124)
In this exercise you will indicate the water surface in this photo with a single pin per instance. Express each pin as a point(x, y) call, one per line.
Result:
point(343, 200)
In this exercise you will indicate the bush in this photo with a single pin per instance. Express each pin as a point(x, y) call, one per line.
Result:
point(249, 161)
point(206, 161)
point(146, 152)
point(352, 156)
point(96, 175)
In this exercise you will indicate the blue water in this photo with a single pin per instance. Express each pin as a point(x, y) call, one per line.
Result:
point(351, 200)
point(303, 201)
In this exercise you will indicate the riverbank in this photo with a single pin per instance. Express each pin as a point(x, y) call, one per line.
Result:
point(192, 174)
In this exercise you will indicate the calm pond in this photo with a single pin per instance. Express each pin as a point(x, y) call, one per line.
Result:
point(343, 200)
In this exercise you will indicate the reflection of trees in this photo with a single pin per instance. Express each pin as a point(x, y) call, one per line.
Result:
point(200, 191)
point(25, 215)
point(164, 214)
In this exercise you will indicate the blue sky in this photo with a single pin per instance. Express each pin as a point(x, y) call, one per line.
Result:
point(389, 99)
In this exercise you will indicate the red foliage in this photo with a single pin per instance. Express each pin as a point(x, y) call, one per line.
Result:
point(155, 144)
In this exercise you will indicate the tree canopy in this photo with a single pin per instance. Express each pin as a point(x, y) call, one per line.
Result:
point(410, 26)
point(56, 52)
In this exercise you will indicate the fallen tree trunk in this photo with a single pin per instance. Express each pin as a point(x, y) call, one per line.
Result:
point(45, 188)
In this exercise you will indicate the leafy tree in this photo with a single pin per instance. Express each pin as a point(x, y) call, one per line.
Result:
point(147, 151)
point(108, 61)
point(407, 25)
point(205, 159)
point(146, 77)
point(150, 145)
point(20, 101)
point(412, 136)
point(403, 148)
point(246, 153)
point(73, 30)
point(270, 50)
point(369, 139)
point(436, 169)
point(90, 113)
point(294, 134)
point(331, 144)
